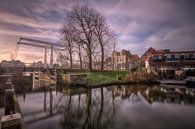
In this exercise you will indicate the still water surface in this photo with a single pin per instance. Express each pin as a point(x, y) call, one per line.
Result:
point(116, 107)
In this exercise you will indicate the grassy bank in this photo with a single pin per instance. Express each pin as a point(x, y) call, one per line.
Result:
point(99, 77)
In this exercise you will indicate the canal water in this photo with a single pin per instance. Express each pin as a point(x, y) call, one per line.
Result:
point(114, 107)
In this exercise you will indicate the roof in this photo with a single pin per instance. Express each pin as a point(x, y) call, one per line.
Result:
point(149, 51)
point(126, 52)
point(135, 57)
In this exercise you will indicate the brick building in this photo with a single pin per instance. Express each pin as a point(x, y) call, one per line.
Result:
point(169, 63)
point(122, 60)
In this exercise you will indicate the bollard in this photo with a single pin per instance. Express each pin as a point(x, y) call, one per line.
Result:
point(45, 99)
point(9, 101)
point(51, 102)
point(13, 121)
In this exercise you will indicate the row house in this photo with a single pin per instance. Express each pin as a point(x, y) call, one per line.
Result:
point(122, 60)
point(38, 64)
point(168, 63)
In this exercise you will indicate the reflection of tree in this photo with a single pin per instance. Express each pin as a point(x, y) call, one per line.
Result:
point(113, 104)
point(90, 112)
point(71, 116)
point(87, 122)
point(101, 110)
point(95, 109)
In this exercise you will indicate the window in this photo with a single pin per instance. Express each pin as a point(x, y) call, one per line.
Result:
point(157, 58)
point(172, 56)
point(182, 57)
point(191, 56)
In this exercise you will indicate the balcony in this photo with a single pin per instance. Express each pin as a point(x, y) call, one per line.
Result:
point(157, 60)
point(189, 59)
point(172, 59)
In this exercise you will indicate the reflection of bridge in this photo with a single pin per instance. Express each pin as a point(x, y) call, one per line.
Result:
point(40, 44)
point(45, 113)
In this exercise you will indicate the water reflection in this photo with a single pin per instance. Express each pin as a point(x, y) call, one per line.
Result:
point(112, 107)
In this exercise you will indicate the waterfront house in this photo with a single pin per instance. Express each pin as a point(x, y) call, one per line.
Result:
point(170, 64)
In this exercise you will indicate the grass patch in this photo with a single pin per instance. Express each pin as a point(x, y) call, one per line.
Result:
point(99, 77)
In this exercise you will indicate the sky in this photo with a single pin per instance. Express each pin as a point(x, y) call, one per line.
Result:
point(139, 24)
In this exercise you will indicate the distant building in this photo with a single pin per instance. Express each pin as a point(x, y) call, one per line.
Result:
point(134, 61)
point(122, 60)
point(108, 65)
point(12, 64)
point(38, 64)
point(168, 63)
point(96, 65)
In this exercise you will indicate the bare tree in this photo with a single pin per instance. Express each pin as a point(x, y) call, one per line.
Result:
point(82, 19)
point(62, 58)
point(103, 34)
point(89, 30)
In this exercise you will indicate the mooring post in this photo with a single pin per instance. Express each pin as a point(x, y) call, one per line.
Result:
point(51, 101)
point(45, 99)
point(13, 121)
point(9, 102)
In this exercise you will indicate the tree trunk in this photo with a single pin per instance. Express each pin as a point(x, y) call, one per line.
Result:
point(90, 61)
point(80, 58)
point(90, 58)
point(70, 61)
point(102, 56)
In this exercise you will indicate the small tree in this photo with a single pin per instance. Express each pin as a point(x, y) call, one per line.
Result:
point(68, 42)
point(104, 36)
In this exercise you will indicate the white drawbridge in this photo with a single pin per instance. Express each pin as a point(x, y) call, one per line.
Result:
point(40, 44)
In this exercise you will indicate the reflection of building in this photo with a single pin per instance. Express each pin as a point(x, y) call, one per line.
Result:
point(168, 63)
point(12, 64)
point(179, 95)
point(122, 60)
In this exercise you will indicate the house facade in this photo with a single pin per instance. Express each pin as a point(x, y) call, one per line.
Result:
point(169, 63)
point(122, 60)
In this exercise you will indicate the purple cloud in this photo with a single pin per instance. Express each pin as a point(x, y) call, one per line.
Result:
point(139, 24)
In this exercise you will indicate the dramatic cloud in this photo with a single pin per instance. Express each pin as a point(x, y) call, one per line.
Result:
point(139, 24)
